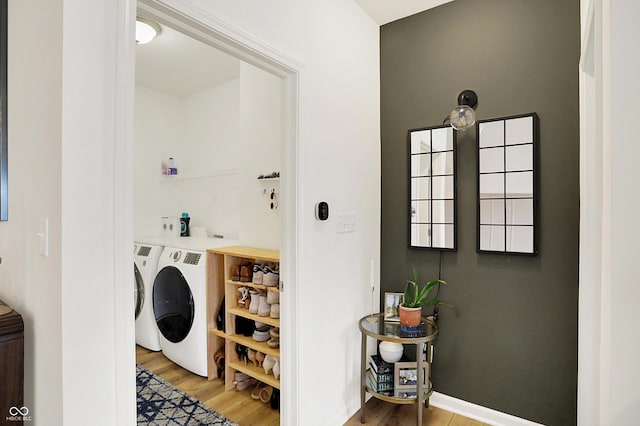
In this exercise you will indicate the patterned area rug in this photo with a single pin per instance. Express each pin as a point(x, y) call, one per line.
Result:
point(160, 404)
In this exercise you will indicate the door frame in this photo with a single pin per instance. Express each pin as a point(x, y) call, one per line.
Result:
point(201, 25)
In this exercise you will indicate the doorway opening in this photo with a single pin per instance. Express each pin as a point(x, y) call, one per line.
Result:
point(220, 171)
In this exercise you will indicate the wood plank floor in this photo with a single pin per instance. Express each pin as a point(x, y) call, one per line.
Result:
point(239, 407)
point(380, 413)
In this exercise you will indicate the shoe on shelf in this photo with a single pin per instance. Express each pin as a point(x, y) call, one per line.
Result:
point(273, 297)
point(240, 377)
point(246, 272)
point(261, 336)
point(274, 341)
point(235, 273)
point(265, 394)
point(241, 350)
point(251, 354)
point(218, 359)
point(255, 301)
point(243, 384)
point(243, 298)
point(255, 394)
point(271, 274)
point(275, 311)
point(268, 363)
point(276, 369)
point(275, 399)
point(264, 309)
point(259, 358)
point(257, 273)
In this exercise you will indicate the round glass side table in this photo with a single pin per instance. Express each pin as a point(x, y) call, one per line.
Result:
point(376, 327)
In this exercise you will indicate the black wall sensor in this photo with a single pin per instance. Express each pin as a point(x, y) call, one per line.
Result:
point(322, 211)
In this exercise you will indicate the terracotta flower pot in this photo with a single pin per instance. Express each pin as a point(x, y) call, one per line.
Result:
point(410, 317)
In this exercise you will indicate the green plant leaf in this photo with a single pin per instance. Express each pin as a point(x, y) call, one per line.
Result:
point(408, 291)
point(414, 297)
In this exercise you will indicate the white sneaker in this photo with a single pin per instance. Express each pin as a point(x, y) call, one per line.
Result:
point(257, 273)
point(273, 297)
point(271, 275)
point(275, 310)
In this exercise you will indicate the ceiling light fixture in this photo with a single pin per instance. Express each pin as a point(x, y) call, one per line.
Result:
point(464, 116)
point(146, 30)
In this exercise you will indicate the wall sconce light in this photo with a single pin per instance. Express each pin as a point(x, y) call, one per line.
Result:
point(464, 116)
point(146, 30)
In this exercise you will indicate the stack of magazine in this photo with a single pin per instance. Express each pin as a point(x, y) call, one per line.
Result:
point(380, 375)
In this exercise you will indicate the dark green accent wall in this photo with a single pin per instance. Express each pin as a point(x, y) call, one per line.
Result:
point(513, 347)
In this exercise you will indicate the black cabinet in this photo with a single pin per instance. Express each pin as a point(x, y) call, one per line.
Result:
point(11, 367)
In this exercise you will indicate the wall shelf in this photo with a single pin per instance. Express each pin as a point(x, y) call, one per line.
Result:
point(199, 175)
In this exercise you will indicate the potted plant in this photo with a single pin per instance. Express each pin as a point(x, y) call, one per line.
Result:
point(415, 299)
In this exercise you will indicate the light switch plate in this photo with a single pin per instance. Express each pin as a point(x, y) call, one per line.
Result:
point(346, 223)
point(44, 237)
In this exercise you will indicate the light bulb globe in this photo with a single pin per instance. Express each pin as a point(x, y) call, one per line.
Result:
point(463, 117)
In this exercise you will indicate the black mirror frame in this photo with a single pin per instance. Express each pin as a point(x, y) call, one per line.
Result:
point(535, 189)
point(455, 190)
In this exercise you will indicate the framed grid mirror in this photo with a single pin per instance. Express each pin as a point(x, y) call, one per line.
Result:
point(507, 190)
point(432, 188)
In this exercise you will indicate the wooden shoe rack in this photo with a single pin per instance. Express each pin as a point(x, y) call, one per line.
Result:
point(219, 284)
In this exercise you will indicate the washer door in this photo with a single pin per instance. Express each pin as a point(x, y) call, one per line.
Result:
point(172, 304)
point(138, 290)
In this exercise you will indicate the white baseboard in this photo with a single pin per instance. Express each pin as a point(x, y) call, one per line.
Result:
point(477, 412)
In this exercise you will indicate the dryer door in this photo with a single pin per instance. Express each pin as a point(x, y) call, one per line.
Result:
point(172, 304)
point(138, 290)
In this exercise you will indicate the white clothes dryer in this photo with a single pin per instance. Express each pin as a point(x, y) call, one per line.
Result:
point(180, 307)
point(145, 268)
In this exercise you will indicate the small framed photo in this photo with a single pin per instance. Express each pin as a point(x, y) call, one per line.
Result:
point(405, 394)
point(406, 375)
point(392, 302)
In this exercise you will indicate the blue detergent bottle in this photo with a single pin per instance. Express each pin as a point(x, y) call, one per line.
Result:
point(184, 224)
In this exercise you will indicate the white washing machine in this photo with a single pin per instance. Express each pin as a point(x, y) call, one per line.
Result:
point(180, 307)
point(145, 267)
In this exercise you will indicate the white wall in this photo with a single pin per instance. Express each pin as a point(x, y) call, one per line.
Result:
point(259, 154)
point(235, 126)
point(158, 128)
point(339, 162)
point(73, 93)
point(63, 108)
point(609, 344)
point(97, 307)
point(625, 205)
point(31, 283)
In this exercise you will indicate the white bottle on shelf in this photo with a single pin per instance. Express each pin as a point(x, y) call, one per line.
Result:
point(173, 170)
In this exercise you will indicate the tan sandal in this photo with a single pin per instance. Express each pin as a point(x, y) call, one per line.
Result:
point(255, 394)
point(265, 394)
